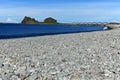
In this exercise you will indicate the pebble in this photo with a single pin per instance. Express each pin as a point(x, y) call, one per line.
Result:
point(81, 56)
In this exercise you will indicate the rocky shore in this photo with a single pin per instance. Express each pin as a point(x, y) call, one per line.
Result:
point(81, 56)
point(113, 25)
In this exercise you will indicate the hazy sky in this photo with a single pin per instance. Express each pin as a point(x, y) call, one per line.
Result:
point(62, 10)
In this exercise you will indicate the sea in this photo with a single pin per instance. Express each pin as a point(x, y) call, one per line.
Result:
point(28, 30)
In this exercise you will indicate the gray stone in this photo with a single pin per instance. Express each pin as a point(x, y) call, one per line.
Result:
point(82, 56)
point(32, 77)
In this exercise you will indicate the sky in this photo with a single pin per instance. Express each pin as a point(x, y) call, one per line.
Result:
point(62, 10)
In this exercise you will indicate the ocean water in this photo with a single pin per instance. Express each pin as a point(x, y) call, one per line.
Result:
point(26, 30)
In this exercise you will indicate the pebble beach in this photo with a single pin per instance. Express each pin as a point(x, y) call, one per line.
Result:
point(78, 56)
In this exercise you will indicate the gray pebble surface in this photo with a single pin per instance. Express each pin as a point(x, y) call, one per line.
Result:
point(79, 56)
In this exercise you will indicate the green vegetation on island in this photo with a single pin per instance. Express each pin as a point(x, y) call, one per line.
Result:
point(29, 20)
point(50, 20)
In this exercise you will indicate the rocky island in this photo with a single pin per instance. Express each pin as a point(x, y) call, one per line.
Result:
point(29, 20)
point(50, 20)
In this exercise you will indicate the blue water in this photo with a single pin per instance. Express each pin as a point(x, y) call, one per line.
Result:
point(24, 30)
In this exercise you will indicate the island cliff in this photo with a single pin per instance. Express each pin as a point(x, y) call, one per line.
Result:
point(50, 20)
point(29, 20)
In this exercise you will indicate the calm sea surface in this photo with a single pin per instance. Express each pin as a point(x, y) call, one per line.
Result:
point(24, 30)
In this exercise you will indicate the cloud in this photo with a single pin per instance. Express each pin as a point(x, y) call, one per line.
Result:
point(93, 11)
point(80, 9)
point(9, 20)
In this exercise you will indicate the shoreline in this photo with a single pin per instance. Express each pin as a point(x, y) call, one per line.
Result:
point(84, 56)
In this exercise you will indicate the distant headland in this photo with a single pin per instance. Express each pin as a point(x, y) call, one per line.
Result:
point(50, 20)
